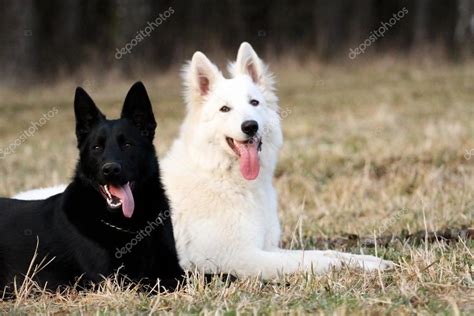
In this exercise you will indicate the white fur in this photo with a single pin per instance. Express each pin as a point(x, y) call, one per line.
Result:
point(39, 194)
point(222, 222)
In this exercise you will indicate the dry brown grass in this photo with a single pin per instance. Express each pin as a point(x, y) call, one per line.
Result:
point(369, 149)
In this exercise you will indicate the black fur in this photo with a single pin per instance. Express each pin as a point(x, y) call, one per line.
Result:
point(78, 228)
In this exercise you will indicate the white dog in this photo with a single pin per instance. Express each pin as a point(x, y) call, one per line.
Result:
point(39, 194)
point(218, 176)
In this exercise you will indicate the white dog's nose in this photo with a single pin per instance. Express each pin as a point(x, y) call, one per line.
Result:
point(250, 127)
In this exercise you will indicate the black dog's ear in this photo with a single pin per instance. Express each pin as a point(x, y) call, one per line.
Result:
point(87, 114)
point(137, 108)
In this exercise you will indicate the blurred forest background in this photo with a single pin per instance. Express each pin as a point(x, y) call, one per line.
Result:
point(44, 40)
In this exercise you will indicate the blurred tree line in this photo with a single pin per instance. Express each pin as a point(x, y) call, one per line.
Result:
point(47, 38)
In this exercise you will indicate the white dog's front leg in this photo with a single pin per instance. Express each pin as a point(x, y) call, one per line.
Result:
point(366, 262)
point(270, 264)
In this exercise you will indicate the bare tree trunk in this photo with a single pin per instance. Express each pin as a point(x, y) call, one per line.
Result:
point(16, 38)
point(421, 22)
point(464, 32)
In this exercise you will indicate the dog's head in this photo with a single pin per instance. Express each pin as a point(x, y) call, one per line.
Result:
point(237, 117)
point(116, 154)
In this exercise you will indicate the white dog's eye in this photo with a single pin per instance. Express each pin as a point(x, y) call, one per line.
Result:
point(224, 109)
point(254, 102)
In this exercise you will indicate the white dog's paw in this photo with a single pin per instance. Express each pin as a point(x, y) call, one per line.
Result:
point(366, 262)
point(369, 263)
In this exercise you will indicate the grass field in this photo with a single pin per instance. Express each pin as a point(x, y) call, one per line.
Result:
point(373, 149)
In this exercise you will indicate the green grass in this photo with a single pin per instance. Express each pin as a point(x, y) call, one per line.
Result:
point(369, 148)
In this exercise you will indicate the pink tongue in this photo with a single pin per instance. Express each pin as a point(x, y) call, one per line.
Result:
point(125, 195)
point(249, 162)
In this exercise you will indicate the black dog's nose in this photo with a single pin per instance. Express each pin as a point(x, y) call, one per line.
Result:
point(250, 127)
point(111, 169)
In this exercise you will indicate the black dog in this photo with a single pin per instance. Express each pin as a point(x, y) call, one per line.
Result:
point(114, 216)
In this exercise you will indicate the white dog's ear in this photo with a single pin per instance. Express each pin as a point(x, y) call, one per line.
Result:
point(199, 75)
point(249, 63)
point(205, 73)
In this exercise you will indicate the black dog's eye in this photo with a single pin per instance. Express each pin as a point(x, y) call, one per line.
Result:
point(127, 145)
point(225, 109)
point(97, 148)
point(254, 102)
